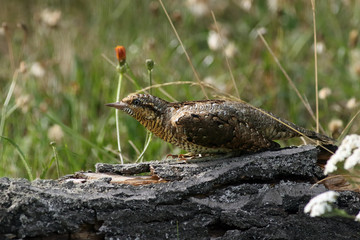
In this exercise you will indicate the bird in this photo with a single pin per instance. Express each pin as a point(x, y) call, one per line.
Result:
point(212, 126)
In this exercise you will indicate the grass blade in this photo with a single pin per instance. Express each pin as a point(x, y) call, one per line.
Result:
point(78, 136)
point(22, 157)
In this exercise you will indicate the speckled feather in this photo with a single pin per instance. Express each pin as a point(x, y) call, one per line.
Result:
point(211, 126)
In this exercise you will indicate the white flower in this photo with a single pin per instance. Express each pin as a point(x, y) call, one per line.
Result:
point(55, 133)
point(262, 30)
point(320, 47)
point(23, 102)
point(214, 40)
point(50, 17)
point(37, 70)
point(324, 93)
point(273, 5)
point(230, 50)
point(244, 4)
point(353, 160)
point(348, 151)
point(357, 218)
point(320, 204)
point(351, 104)
point(335, 125)
point(198, 8)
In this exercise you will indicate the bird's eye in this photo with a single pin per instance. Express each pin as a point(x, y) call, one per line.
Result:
point(136, 102)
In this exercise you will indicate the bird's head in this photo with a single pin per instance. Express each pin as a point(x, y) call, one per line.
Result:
point(142, 107)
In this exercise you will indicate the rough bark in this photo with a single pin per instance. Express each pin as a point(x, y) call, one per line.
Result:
point(259, 196)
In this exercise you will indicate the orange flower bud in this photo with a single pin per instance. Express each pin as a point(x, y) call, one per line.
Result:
point(120, 54)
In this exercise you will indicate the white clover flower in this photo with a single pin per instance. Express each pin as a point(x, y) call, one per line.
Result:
point(357, 218)
point(320, 204)
point(348, 151)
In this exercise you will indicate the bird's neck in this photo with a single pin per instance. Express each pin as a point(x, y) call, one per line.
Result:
point(159, 125)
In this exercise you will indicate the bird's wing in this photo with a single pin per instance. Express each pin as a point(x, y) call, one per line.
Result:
point(219, 130)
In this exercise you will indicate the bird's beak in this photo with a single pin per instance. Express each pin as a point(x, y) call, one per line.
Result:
point(118, 105)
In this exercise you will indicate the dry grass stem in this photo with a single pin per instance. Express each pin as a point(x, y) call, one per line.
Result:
point(316, 72)
point(342, 135)
point(226, 58)
point(201, 84)
point(207, 85)
point(307, 106)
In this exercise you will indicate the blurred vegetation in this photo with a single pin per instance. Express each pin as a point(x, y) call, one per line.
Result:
point(64, 82)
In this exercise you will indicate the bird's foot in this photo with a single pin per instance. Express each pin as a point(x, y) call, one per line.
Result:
point(183, 157)
point(196, 158)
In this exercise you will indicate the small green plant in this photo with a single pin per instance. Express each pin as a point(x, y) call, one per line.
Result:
point(346, 163)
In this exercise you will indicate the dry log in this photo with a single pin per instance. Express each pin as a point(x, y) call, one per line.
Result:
point(258, 196)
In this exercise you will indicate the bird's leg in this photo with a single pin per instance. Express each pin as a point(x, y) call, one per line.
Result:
point(171, 155)
point(183, 157)
point(210, 157)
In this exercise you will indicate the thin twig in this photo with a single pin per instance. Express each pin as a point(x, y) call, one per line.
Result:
point(328, 178)
point(108, 60)
point(307, 106)
point(293, 129)
point(226, 58)
point(207, 85)
point(134, 147)
point(348, 125)
point(184, 49)
point(316, 72)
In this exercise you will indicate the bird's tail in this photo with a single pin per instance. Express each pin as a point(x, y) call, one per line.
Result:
point(317, 136)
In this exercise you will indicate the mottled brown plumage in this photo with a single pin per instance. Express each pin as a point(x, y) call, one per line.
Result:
point(211, 126)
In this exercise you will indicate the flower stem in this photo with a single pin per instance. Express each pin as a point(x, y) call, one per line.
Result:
point(117, 117)
point(53, 146)
point(150, 66)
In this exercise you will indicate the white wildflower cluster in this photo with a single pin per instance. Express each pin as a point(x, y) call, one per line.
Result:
point(348, 152)
point(357, 218)
point(321, 204)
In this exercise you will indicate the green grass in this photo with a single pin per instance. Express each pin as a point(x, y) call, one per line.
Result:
point(79, 81)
